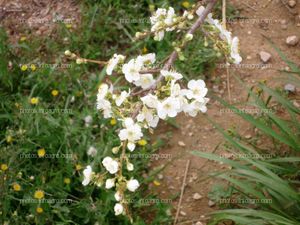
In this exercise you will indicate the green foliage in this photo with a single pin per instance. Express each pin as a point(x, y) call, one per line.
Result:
point(32, 69)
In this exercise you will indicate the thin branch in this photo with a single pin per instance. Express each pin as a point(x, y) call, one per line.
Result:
point(174, 54)
point(224, 14)
point(182, 190)
point(149, 71)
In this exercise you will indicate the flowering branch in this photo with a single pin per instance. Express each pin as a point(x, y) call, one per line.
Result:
point(159, 98)
point(174, 54)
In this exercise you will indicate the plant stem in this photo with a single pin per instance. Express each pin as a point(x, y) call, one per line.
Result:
point(174, 54)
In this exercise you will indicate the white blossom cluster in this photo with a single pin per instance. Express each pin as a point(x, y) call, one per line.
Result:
point(164, 102)
point(225, 35)
point(162, 96)
point(166, 20)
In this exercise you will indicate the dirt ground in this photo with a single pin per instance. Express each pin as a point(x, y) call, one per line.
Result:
point(270, 18)
point(41, 16)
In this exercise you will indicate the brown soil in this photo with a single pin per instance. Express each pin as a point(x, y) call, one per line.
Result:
point(40, 16)
point(263, 18)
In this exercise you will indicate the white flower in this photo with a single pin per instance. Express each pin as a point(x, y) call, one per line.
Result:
point(102, 91)
point(130, 167)
point(132, 69)
point(160, 13)
point(122, 97)
point(162, 20)
point(200, 10)
point(175, 89)
point(118, 196)
point(88, 120)
point(150, 101)
point(159, 35)
point(132, 185)
point(92, 151)
point(104, 105)
point(194, 107)
point(169, 20)
point(88, 174)
point(109, 183)
point(197, 89)
point(146, 59)
point(235, 51)
point(148, 115)
point(131, 146)
point(169, 107)
point(113, 62)
point(145, 81)
point(110, 165)
point(171, 75)
point(119, 209)
point(189, 37)
point(131, 132)
point(202, 105)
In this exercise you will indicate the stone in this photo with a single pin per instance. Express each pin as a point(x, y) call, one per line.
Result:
point(199, 223)
point(211, 203)
point(160, 176)
point(182, 213)
point(296, 104)
point(181, 143)
point(265, 56)
point(292, 3)
point(248, 136)
point(292, 40)
point(197, 196)
point(290, 88)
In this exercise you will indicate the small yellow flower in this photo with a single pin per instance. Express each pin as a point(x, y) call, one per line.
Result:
point(16, 187)
point(39, 210)
point(145, 50)
point(17, 105)
point(67, 180)
point(186, 4)
point(156, 183)
point(39, 194)
point(78, 167)
point(33, 67)
point(68, 25)
point(9, 139)
point(142, 142)
point(54, 92)
point(23, 38)
point(4, 167)
point(34, 101)
point(113, 121)
point(41, 152)
point(24, 67)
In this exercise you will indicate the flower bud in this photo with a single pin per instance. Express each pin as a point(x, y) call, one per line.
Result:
point(115, 150)
point(79, 61)
point(190, 16)
point(130, 167)
point(138, 34)
point(68, 53)
point(188, 37)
